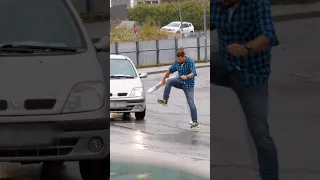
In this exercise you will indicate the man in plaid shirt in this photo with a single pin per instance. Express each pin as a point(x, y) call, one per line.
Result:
point(246, 35)
point(185, 81)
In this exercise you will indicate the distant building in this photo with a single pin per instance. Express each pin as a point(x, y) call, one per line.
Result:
point(148, 2)
point(132, 3)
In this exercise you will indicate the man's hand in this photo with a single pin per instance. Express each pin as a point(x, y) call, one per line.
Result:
point(237, 50)
point(163, 82)
point(184, 77)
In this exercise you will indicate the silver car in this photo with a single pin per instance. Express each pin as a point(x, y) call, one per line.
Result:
point(53, 98)
point(127, 94)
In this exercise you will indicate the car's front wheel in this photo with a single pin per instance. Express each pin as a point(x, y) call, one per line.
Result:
point(95, 169)
point(141, 115)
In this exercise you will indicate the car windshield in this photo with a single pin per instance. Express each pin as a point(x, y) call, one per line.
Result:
point(174, 24)
point(39, 23)
point(121, 68)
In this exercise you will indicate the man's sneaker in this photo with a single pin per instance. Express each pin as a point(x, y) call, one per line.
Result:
point(191, 122)
point(195, 125)
point(162, 102)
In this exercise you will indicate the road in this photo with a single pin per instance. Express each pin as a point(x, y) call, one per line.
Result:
point(294, 111)
point(167, 129)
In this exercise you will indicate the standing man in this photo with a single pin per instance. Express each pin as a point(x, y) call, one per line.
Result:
point(185, 81)
point(246, 35)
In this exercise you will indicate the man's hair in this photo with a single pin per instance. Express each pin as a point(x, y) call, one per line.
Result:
point(180, 53)
point(182, 49)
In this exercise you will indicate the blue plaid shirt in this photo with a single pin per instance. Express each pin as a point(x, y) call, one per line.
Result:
point(185, 69)
point(252, 18)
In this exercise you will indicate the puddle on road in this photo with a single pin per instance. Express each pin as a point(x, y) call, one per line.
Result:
point(124, 171)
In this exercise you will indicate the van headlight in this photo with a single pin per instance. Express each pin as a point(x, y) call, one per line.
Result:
point(136, 92)
point(85, 96)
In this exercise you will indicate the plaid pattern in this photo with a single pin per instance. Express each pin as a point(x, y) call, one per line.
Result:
point(185, 69)
point(251, 19)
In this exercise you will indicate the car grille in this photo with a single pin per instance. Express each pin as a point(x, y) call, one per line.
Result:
point(37, 104)
point(3, 105)
point(119, 94)
point(122, 94)
point(128, 108)
point(61, 147)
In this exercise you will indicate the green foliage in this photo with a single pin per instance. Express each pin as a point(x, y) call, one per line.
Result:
point(150, 31)
point(164, 13)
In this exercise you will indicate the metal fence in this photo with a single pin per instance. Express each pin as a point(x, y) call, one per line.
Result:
point(162, 51)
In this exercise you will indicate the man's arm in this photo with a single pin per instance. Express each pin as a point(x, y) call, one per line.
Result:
point(171, 70)
point(263, 20)
point(166, 75)
point(193, 70)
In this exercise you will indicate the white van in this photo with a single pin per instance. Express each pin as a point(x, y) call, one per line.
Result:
point(53, 102)
point(127, 94)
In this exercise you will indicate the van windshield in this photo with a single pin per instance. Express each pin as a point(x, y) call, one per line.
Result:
point(121, 68)
point(39, 22)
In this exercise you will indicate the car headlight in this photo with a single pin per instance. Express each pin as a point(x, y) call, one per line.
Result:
point(85, 96)
point(136, 92)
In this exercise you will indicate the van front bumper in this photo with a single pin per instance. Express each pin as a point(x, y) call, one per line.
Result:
point(125, 105)
point(63, 140)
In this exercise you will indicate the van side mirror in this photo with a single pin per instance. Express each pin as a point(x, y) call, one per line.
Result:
point(102, 44)
point(143, 75)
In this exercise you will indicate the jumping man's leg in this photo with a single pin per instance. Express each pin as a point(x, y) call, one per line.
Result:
point(254, 101)
point(167, 90)
point(193, 109)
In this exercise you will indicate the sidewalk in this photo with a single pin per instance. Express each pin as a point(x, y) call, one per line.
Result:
point(163, 69)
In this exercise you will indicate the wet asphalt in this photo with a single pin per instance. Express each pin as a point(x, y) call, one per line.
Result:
point(294, 114)
point(167, 129)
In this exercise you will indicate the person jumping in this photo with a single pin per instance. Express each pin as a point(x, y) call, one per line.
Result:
point(185, 81)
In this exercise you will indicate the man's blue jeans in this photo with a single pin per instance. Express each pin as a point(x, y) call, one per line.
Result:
point(254, 102)
point(175, 82)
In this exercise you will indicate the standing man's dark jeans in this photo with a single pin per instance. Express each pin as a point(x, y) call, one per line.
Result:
point(254, 102)
point(188, 92)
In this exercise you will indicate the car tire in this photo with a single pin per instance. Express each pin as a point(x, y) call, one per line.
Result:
point(95, 169)
point(126, 116)
point(140, 115)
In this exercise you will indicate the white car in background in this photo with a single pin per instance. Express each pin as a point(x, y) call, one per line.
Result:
point(127, 94)
point(175, 27)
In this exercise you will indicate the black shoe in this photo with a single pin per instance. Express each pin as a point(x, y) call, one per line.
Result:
point(195, 124)
point(162, 102)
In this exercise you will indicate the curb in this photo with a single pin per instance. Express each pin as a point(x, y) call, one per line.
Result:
point(163, 71)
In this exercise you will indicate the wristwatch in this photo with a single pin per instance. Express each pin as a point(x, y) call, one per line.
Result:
point(248, 47)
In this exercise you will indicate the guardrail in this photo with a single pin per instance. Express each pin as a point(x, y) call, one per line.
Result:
point(159, 46)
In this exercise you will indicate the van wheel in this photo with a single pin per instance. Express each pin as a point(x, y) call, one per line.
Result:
point(95, 169)
point(126, 116)
point(141, 115)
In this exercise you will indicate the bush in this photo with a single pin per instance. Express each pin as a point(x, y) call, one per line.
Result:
point(150, 31)
point(164, 13)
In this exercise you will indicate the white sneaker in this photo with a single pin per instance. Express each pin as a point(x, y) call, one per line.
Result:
point(190, 122)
